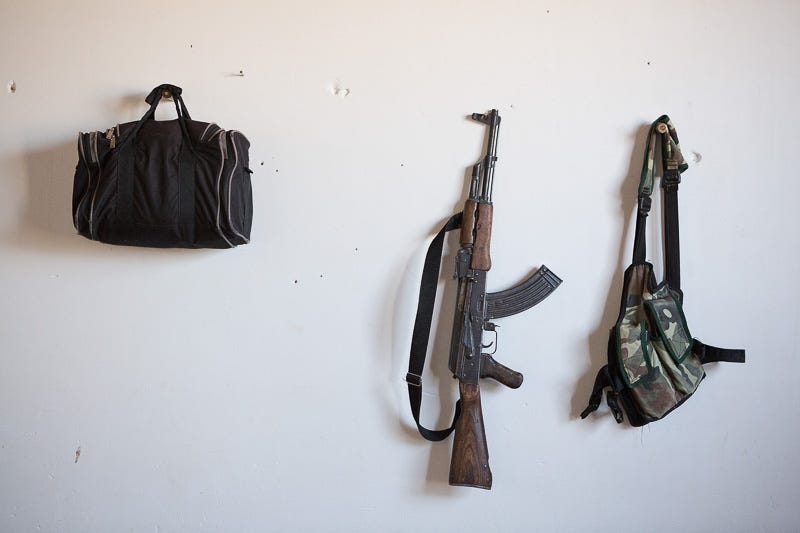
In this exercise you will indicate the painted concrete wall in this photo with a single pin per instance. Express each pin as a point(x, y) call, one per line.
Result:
point(260, 389)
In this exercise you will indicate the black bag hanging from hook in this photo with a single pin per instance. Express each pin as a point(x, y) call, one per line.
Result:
point(167, 184)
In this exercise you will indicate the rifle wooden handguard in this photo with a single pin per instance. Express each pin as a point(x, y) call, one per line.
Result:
point(483, 236)
point(469, 465)
point(468, 222)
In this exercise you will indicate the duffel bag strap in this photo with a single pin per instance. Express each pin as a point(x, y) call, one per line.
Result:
point(165, 90)
point(187, 158)
point(422, 330)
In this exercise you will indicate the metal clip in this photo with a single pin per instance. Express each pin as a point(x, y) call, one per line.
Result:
point(645, 203)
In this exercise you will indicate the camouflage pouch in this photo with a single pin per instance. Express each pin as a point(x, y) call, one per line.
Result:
point(654, 364)
point(653, 347)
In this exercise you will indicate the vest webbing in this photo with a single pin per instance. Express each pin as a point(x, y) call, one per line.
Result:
point(673, 165)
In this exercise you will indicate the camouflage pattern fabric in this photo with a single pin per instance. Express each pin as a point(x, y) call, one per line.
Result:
point(654, 346)
point(670, 147)
point(665, 311)
point(632, 345)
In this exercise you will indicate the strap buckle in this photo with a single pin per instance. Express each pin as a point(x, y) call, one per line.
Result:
point(645, 203)
point(414, 379)
point(671, 178)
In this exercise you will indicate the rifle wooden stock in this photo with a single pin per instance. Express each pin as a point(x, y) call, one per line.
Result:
point(481, 259)
point(469, 465)
point(468, 222)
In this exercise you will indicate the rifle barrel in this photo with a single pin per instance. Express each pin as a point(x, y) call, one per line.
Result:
point(493, 120)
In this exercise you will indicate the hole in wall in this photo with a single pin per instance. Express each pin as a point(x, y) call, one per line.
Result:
point(12, 87)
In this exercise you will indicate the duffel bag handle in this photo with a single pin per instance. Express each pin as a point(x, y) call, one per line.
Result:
point(126, 164)
point(165, 90)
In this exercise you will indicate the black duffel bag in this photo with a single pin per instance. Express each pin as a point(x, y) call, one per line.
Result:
point(168, 184)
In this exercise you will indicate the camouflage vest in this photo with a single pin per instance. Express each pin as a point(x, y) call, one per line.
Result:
point(654, 364)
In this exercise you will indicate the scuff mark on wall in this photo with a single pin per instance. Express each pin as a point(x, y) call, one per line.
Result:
point(77, 454)
point(336, 89)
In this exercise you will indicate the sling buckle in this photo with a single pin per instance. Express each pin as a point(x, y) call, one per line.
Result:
point(414, 379)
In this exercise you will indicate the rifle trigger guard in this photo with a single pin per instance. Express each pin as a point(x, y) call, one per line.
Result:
point(494, 342)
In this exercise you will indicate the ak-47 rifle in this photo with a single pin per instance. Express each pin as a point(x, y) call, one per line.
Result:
point(475, 310)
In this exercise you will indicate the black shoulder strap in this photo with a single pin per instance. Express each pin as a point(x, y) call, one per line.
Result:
point(422, 330)
point(673, 165)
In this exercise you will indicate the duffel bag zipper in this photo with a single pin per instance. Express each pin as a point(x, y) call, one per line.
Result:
point(230, 184)
point(111, 136)
point(82, 157)
point(223, 153)
point(112, 140)
point(96, 160)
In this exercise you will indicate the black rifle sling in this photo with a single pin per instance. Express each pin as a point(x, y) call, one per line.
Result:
point(422, 330)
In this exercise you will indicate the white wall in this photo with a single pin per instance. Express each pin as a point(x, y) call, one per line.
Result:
point(260, 389)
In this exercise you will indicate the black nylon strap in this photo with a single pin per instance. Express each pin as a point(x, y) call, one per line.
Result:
point(672, 251)
point(672, 165)
point(124, 210)
point(186, 174)
point(601, 382)
point(154, 98)
point(639, 240)
point(672, 248)
point(186, 164)
point(712, 354)
point(422, 330)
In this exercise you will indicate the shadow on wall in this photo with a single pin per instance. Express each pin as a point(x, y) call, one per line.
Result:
point(46, 223)
point(598, 339)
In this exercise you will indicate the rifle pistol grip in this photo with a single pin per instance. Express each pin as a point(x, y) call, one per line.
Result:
point(499, 372)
